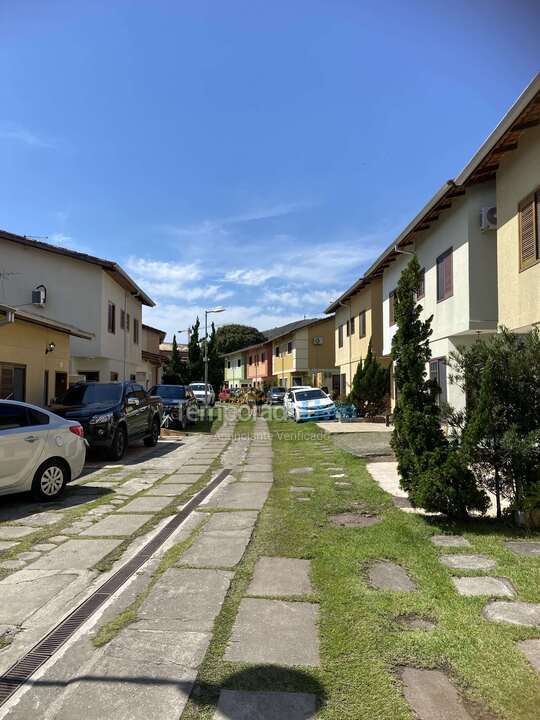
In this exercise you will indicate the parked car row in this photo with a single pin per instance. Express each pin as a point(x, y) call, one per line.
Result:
point(308, 403)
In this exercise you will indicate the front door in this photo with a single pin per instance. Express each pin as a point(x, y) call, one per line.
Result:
point(60, 384)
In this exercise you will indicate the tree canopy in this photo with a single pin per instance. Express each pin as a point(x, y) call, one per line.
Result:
point(234, 337)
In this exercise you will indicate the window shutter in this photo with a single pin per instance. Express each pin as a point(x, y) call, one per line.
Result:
point(528, 250)
point(448, 276)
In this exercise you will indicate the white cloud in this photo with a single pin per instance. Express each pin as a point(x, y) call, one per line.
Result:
point(302, 298)
point(181, 292)
point(27, 137)
point(155, 270)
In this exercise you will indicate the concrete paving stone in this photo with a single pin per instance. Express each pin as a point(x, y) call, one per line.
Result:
point(302, 499)
point(230, 522)
point(130, 690)
point(300, 470)
point(386, 575)
point(343, 484)
point(145, 504)
point(245, 705)
point(412, 621)
point(216, 550)
point(467, 561)
point(241, 496)
point(188, 471)
point(12, 564)
point(354, 520)
point(185, 600)
point(524, 547)
point(432, 696)
point(195, 467)
point(26, 591)
point(514, 613)
point(301, 489)
point(76, 554)
point(169, 490)
point(182, 480)
point(42, 519)
point(184, 648)
point(256, 477)
point(117, 525)
point(58, 538)
point(14, 532)
point(484, 585)
point(275, 632)
point(29, 556)
point(531, 650)
point(6, 544)
point(44, 547)
point(338, 475)
point(257, 468)
point(277, 576)
point(132, 487)
point(117, 501)
point(450, 541)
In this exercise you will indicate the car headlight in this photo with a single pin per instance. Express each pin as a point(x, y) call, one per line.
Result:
point(101, 419)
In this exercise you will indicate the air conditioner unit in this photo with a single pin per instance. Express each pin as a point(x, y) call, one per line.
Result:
point(39, 296)
point(488, 219)
point(318, 340)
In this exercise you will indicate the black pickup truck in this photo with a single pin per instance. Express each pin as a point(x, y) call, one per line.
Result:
point(112, 414)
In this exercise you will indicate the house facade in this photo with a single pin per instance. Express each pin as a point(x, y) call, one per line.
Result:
point(358, 320)
point(454, 253)
point(235, 370)
point(304, 354)
point(259, 364)
point(150, 371)
point(78, 290)
point(34, 356)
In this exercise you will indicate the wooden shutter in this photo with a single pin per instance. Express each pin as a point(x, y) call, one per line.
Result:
point(448, 275)
point(528, 241)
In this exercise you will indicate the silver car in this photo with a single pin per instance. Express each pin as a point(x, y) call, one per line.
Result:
point(200, 395)
point(39, 451)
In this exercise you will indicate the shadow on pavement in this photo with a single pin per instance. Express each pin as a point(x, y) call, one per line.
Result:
point(259, 678)
point(22, 505)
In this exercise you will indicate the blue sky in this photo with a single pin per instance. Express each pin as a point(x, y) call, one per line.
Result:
point(257, 155)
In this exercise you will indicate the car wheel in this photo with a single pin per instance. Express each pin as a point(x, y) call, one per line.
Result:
point(50, 480)
point(119, 443)
point(153, 438)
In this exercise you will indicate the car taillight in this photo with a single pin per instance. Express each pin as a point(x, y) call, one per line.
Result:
point(77, 430)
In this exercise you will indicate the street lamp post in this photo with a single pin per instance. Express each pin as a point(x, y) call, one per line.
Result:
point(206, 314)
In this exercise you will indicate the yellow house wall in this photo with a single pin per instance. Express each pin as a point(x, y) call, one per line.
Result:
point(23, 343)
point(368, 299)
point(322, 357)
point(519, 292)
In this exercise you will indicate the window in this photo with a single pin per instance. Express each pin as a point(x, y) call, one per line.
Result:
point(122, 319)
point(340, 336)
point(228, 364)
point(114, 377)
point(17, 416)
point(250, 360)
point(529, 220)
point(12, 382)
point(289, 347)
point(437, 372)
point(263, 357)
point(127, 322)
point(352, 326)
point(111, 318)
point(90, 375)
point(277, 351)
point(362, 324)
point(421, 285)
point(392, 307)
point(445, 281)
point(135, 331)
point(45, 388)
point(347, 328)
point(239, 363)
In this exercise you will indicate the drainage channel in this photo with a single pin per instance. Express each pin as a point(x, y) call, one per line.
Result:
point(23, 669)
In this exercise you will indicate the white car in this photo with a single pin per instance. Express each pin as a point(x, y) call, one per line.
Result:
point(198, 390)
point(289, 397)
point(39, 451)
point(310, 404)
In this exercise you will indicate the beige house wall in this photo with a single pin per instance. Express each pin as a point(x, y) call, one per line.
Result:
point(23, 343)
point(517, 177)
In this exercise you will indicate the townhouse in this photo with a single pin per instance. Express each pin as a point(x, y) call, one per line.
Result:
point(258, 363)
point(149, 371)
point(303, 354)
point(358, 321)
point(510, 158)
point(34, 355)
point(235, 370)
point(78, 290)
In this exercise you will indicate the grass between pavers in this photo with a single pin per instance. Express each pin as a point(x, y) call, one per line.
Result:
point(362, 645)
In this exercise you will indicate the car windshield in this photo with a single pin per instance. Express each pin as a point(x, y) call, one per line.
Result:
point(309, 395)
point(169, 392)
point(277, 390)
point(93, 393)
point(198, 386)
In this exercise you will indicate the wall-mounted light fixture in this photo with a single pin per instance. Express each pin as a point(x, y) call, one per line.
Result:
point(51, 347)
